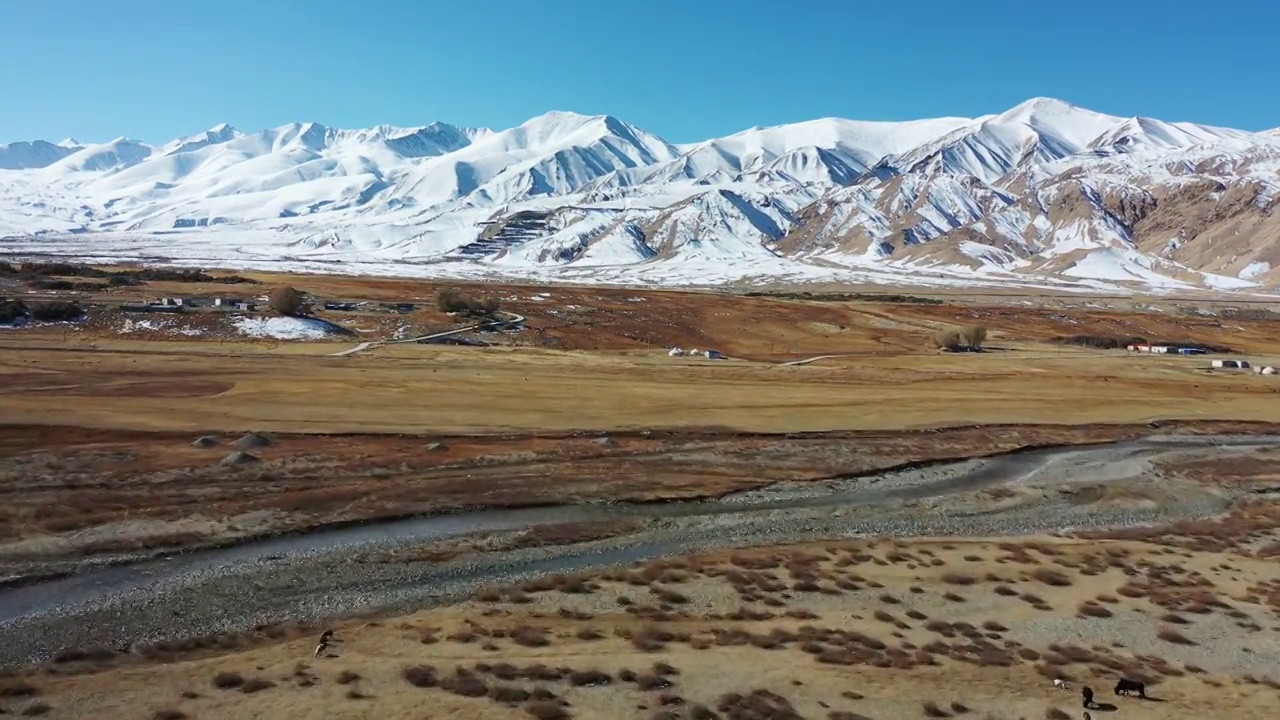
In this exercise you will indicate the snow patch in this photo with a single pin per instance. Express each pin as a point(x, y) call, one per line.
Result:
point(1254, 269)
point(283, 328)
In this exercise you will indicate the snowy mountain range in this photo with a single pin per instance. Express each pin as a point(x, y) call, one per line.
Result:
point(1043, 194)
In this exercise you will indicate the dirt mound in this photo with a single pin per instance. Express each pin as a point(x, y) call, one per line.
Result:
point(238, 458)
point(253, 441)
point(206, 441)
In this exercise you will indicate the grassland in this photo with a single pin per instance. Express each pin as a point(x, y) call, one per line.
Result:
point(582, 404)
point(98, 457)
point(867, 629)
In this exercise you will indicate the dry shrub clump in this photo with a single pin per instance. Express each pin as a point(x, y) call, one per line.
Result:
point(932, 710)
point(1056, 714)
point(465, 683)
point(529, 636)
point(256, 684)
point(168, 714)
point(1091, 609)
point(757, 705)
point(423, 676)
point(1171, 635)
point(228, 680)
point(17, 689)
point(1051, 577)
point(547, 710)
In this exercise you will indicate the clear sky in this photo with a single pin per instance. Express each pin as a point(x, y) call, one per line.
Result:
point(684, 69)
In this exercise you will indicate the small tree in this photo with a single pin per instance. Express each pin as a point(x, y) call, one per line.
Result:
point(56, 311)
point(946, 340)
point(968, 339)
point(12, 310)
point(973, 336)
point(452, 300)
point(285, 300)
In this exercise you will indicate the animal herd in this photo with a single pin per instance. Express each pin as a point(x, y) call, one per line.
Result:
point(1123, 687)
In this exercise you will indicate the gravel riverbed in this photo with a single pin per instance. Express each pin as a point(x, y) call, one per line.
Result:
point(185, 596)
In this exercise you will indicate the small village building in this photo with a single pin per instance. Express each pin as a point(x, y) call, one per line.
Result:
point(1232, 364)
point(714, 355)
point(675, 352)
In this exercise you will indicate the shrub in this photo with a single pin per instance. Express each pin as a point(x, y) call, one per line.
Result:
point(228, 680)
point(955, 578)
point(967, 339)
point(346, 677)
point(946, 340)
point(508, 694)
point(168, 714)
point(256, 684)
point(453, 300)
point(547, 710)
point(56, 311)
point(932, 710)
point(12, 310)
point(1171, 635)
point(1051, 577)
point(530, 636)
point(651, 681)
point(37, 710)
point(1005, 590)
point(583, 678)
point(1089, 609)
point(973, 337)
point(285, 300)
point(466, 685)
point(1056, 714)
point(423, 676)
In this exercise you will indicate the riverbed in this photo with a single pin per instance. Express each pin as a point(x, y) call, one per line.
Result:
point(324, 575)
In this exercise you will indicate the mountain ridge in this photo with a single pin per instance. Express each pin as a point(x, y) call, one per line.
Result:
point(1043, 192)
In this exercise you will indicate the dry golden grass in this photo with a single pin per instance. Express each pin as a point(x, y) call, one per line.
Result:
point(419, 389)
point(570, 649)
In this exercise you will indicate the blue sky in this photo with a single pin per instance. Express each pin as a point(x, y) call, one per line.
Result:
point(684, 69)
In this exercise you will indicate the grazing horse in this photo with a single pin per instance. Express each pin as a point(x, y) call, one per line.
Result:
point(1129, 687)
point(1087, 694)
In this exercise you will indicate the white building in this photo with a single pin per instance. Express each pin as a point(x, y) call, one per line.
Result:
point(1232, 364)
point(675, 352)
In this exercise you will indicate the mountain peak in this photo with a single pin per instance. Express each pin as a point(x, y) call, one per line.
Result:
point(1040, 107)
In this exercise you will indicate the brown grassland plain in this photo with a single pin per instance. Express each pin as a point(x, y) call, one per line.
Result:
point(582, 404)
point(96, 440)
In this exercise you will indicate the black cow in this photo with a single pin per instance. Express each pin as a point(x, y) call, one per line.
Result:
point(1087, 694)
point(1129, 687)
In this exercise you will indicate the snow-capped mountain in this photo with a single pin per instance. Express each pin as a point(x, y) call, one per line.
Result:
point(1043, 193)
